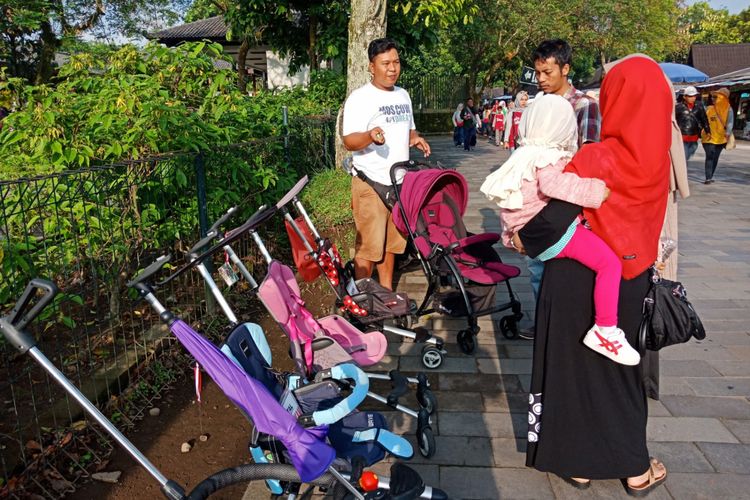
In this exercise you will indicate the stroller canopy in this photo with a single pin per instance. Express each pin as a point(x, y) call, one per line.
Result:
point(307, 451)
point(422, 186)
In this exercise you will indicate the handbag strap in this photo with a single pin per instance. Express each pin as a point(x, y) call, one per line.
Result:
point(723, 122)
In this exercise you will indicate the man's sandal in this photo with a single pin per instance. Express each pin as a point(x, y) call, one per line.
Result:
point(651, 482)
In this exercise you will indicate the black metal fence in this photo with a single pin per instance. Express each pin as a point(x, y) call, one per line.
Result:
point(433, 93)
point(90, 231)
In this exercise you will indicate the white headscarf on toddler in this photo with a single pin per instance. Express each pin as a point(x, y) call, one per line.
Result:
point(548, 133)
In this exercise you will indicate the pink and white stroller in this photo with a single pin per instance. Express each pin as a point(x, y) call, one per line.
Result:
point(364, 302)
point(430, 205)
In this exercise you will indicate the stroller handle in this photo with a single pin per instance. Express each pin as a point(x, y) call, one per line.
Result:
point(212, 233)
point(411, 166)
point(348, 404)
point(13, 325)
point(193, 252)
point(259, 217)
point(216, 225)
point(152, 269)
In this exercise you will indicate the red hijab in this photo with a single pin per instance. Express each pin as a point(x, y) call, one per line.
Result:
point(633, 160)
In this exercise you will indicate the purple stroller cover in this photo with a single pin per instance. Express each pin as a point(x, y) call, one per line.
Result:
point(308, 453)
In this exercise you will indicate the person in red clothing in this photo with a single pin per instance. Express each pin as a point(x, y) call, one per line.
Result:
point(524, 184)
point(514, 118)
point(692, 119)
point(498, 121)
point(588, 416)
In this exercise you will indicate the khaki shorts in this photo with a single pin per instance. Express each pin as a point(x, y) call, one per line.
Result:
point(376, 232)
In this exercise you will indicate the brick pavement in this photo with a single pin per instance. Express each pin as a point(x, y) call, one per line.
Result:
point(701, 425)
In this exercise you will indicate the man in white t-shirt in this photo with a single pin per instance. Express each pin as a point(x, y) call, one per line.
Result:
point(379, 129)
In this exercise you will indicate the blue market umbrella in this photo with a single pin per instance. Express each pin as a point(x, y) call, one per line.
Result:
point(682, 73)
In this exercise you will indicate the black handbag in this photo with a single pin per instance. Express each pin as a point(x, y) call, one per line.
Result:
point(668, 316)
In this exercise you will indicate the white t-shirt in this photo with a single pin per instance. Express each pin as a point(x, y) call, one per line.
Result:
point(369, 107)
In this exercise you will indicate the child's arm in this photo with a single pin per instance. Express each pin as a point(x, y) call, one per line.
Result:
point(586, 192)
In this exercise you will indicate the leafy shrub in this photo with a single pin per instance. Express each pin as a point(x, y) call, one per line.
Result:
point(94, 224)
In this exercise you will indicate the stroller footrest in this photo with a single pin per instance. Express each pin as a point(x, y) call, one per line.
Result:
point(400, 386)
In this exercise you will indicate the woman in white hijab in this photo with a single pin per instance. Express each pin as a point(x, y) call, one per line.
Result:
point(458, 126)
point(525, 184)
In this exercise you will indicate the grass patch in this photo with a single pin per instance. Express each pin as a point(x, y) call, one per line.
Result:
point(328, 198)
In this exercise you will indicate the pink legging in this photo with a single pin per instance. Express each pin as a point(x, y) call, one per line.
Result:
point(591, 251)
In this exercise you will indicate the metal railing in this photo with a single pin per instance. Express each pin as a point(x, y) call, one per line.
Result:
point(90, 231)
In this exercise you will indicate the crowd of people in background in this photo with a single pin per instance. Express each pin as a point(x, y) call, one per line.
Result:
point(709, 124)
point(712, 124)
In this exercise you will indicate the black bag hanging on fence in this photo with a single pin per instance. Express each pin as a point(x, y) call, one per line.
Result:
point(668, 316)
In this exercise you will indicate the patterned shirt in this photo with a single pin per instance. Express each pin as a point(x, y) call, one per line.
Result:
point(587, 115)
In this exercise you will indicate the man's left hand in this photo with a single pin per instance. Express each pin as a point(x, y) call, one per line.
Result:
point(419, 143)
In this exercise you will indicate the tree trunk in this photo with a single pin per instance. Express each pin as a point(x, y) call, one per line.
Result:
point(366, 23)
point(241, 67)
point(312, 42)
point(49, 45)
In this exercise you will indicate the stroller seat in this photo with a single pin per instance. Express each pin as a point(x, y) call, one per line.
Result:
point(280, 293)
point(364, 434)
point(441, 225)
point(430, 208)
point(366, 349)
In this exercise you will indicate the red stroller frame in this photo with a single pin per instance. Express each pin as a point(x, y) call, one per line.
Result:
point(430, 204)
point(363, 302)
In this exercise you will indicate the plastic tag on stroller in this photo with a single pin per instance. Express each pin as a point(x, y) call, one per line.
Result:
point(228, 275)
point(290, 404)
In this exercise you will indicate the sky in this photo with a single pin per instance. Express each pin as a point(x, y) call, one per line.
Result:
point(733, 6)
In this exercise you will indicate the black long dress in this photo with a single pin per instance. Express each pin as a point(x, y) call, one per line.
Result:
point(587, 415)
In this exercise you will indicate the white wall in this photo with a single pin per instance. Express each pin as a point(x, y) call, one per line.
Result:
point(277, 68)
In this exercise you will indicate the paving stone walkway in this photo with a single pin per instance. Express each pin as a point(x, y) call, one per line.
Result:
point(700, 427)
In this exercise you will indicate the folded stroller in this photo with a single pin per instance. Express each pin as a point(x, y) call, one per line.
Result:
point(364, 302)
point(311, 458)
point(430, 204)
point(320, 344)
point(358, 438)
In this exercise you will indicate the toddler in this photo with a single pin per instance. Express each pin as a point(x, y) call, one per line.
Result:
point(525, 184)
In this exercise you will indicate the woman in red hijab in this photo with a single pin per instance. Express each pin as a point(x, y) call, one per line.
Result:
point(588, 416)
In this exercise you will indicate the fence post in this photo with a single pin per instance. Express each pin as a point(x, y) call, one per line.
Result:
point(200, 184)
point(287, 153)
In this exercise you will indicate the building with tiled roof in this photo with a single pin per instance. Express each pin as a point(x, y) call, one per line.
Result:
point(720, 58)
point(263, 65)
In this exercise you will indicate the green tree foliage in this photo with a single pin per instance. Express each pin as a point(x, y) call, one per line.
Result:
point(203, 9)
point(33, 30)
point(20, 20)
point(304, 31)
point(493, 48)
point(309, 32)
point(702, 24)
point(136, 103)
point(611, 29)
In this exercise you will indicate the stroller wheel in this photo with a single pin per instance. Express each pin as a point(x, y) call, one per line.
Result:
point(509, 327)
point(427, 400)
point(432, 358)
point(426, 441)
point(404, 322)
point(466, 341)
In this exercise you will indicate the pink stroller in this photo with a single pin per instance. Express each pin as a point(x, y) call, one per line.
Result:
point(430, 204)
point(364, 302)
